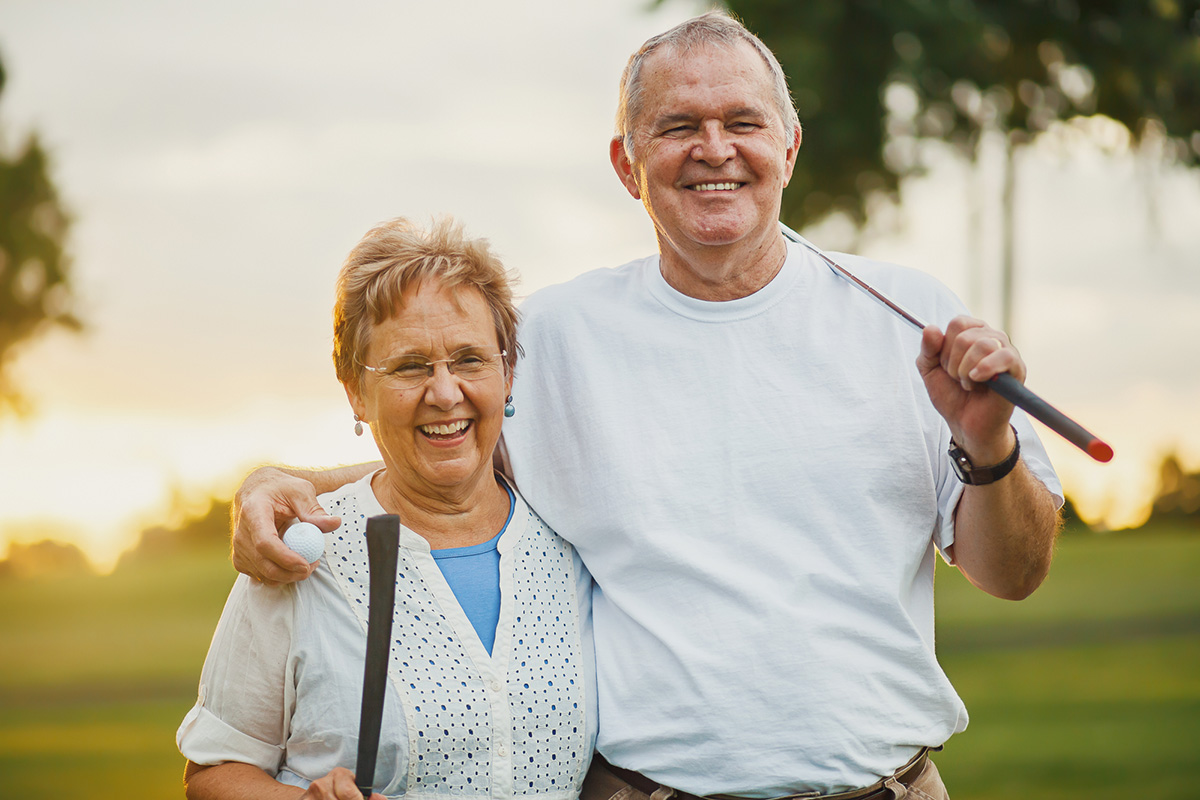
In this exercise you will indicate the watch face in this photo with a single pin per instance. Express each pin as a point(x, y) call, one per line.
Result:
point(960, 464)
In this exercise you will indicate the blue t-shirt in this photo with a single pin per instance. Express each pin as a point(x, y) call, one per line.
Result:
point(473, 574)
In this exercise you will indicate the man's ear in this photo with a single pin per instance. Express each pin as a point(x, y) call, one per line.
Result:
point(792, 152)
point(623, 167)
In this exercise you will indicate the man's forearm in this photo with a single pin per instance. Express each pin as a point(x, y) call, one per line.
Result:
point(1004, 534)
point(332, 479)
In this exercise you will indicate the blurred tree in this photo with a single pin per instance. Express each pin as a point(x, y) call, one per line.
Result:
point(35, 293)
point(1072, 522)
point(1178, 498)
point(197, 531)
point(47, 557)
point(874, 78)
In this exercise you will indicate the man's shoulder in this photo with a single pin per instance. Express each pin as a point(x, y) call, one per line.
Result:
point(887, 272)
point(594, 287)
point(921, 292)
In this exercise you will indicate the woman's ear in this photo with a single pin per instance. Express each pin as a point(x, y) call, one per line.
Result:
point(357, 404)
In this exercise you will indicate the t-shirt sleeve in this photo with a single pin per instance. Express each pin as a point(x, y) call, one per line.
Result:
point(938, 305)
point(247, 687)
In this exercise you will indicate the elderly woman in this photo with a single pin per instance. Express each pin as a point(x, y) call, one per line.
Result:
point(490, 691)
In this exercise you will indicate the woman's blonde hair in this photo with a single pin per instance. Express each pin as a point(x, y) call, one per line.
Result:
point(398, 254)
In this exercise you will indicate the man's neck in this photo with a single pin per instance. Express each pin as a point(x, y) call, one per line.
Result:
point(722, 273)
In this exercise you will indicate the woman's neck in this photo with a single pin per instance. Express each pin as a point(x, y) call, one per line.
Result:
point(446, 519)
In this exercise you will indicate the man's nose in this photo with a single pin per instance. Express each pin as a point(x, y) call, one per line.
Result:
point(714, 145)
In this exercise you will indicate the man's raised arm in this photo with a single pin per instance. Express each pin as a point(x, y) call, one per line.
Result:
point(274, 497)
point(1005, 529)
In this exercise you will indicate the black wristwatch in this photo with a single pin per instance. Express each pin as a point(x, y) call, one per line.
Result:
point(972, 475)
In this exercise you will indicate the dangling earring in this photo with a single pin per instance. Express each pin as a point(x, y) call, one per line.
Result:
point(357, 425)
point(509, 408)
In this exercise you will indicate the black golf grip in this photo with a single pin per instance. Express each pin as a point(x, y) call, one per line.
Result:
point(1015, 392)
point(383, 547)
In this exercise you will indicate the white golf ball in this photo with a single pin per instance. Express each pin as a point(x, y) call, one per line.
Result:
point(305, 539)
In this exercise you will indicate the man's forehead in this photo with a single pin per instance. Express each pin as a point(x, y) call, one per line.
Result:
point(672, 73)
point(733, 56)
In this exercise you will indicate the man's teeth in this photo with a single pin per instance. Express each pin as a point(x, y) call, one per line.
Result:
point(446, 430)
point(716, 187)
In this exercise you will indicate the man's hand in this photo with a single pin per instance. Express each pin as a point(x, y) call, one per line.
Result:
point(1004, 531)
point(268, 500)
point(956, 366)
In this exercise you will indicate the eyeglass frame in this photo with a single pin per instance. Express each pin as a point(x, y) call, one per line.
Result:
point(431, 364)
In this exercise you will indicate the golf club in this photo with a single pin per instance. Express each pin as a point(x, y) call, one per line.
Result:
point(383, 551)
point(1003, 384)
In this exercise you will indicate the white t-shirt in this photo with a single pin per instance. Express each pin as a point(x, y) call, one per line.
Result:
point(282, 685)
point(758, 487)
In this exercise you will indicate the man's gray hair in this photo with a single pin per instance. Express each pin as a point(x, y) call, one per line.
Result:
point(714, 29)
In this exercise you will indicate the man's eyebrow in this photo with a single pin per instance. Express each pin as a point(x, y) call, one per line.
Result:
point(755, 112)
point(667, 121)
point(670, 120)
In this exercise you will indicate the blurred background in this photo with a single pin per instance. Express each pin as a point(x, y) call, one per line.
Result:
point(180, 182)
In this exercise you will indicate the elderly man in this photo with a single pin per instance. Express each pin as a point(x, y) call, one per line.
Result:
point(740, 448)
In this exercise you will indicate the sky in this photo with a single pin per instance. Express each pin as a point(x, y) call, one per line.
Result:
point(221, 158)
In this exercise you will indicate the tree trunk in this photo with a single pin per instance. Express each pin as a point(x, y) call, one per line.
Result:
point(1008, 236)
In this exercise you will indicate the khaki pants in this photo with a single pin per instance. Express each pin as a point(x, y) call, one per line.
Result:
point(602, 783)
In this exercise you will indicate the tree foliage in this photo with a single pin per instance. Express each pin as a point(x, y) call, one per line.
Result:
point(35, 278)
point(1178, 498)
point(873, 78)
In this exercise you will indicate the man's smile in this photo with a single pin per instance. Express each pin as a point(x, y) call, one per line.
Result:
point(727, 186)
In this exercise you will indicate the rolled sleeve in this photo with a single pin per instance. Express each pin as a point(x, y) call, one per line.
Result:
point(205, 738)
point(247, 688)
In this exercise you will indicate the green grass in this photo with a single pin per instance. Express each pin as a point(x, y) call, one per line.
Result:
point(1089, 689)
point(97, 672)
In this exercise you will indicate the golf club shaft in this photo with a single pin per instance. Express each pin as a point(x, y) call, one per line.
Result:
point(1003, 384)
point(383, 546)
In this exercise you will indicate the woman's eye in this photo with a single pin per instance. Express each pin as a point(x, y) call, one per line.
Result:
point(409, 368)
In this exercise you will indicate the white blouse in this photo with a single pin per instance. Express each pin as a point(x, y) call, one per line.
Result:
point(281, 687)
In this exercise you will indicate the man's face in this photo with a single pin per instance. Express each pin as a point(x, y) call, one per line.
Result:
point(711, 153)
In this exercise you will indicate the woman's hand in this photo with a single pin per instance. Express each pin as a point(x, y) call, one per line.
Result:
point(337, 785)
point(232, 780)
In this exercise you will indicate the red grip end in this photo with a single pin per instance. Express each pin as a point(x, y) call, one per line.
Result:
point(1099, 451)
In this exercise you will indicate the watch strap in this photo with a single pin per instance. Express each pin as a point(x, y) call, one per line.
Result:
point(972, 475)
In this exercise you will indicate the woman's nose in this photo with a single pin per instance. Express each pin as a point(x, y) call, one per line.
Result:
point(443, 390)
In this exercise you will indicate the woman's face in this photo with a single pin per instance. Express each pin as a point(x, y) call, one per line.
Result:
point(437, 438)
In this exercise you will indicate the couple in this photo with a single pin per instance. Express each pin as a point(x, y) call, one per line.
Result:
point(735, 443)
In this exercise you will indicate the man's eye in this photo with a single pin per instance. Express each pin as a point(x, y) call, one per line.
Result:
point(744, 126)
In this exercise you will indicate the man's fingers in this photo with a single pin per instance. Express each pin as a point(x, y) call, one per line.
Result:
point(265, 505)
point(972, 353)
point(317, 516)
